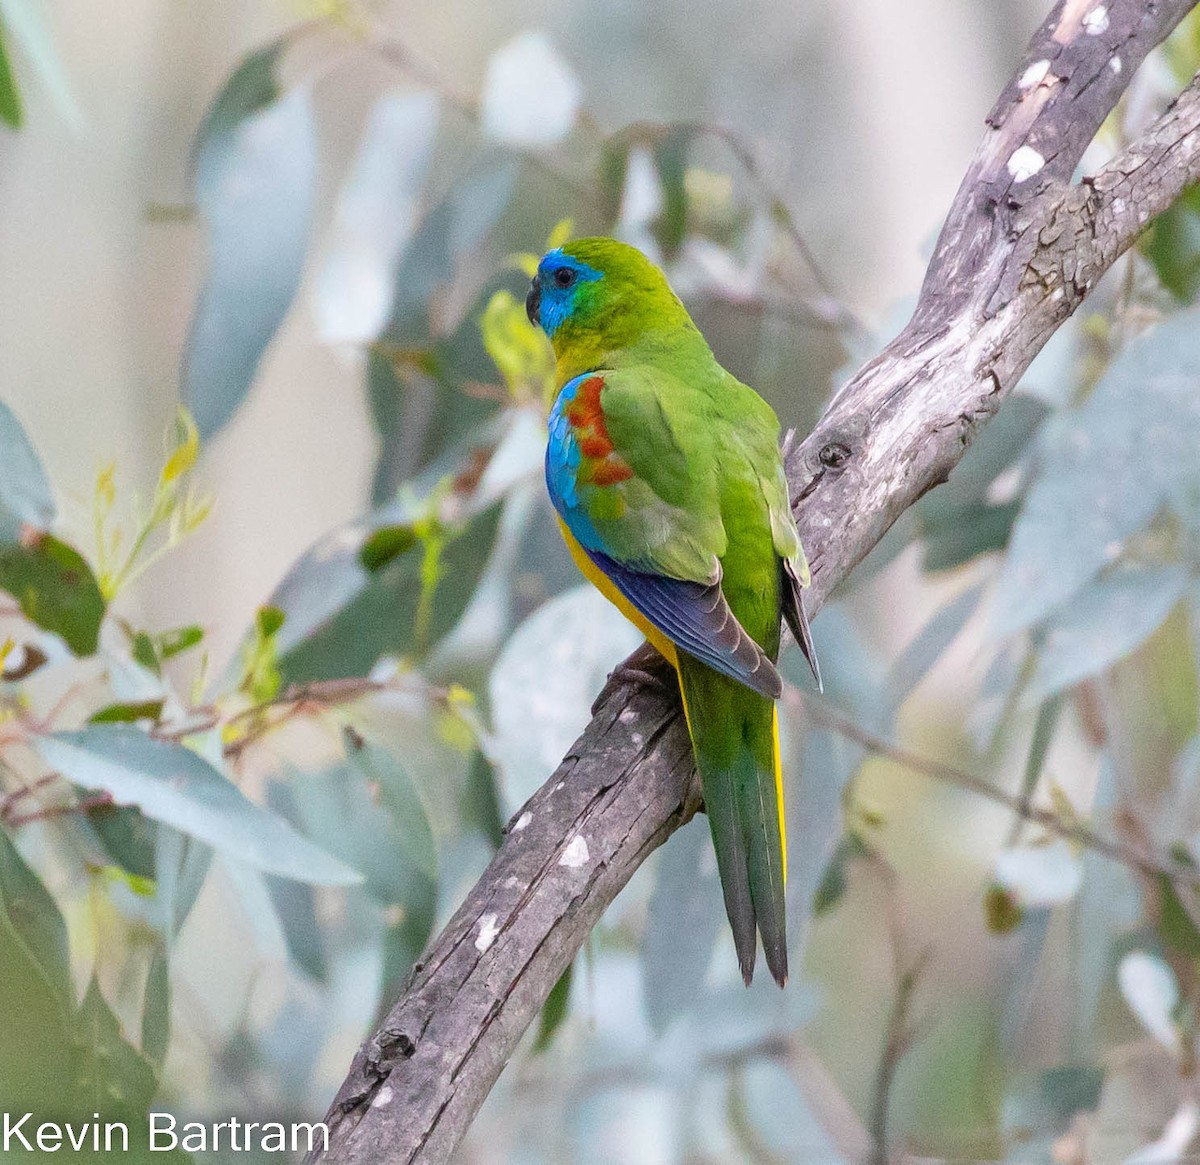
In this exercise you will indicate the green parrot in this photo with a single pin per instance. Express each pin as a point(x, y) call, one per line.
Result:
point(667, 477)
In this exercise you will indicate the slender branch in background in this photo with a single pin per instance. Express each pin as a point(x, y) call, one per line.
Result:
point(84, 805)
point(1135, 857)
point(898, 1039)
point(1021, 248)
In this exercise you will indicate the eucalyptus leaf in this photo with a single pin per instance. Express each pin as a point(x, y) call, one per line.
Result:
point(172, 785)
point(56, 589)
point(1105, 470)
point(156, 1008)
point(374, 218)
point(337, 809)
point(34, 916)
point(11, 111)
point(1105, 622)
point(554, 1010)
point(27, 26)
point(542, 686)
point(254, 184)
point(395, 610)
point(398, 795)
point(24, 487)
point(1172, 244)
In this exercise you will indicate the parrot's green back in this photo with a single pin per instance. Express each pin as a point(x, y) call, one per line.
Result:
point(668, 479)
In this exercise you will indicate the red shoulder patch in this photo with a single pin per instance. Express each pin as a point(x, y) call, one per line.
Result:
point(600, 465)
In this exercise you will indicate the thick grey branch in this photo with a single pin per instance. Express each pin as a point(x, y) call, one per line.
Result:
point(1021, 248)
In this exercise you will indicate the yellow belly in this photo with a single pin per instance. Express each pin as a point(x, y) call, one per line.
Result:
point(604, 585)
point(666, 648)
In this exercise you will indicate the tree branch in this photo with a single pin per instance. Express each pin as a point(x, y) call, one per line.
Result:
point(1020, 249)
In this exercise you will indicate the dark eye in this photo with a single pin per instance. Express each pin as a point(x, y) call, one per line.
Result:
point(563, 277)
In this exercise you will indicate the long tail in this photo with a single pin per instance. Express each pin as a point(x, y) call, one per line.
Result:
point(736, 740)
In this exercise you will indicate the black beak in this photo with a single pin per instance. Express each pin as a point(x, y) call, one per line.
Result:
point(533, 302)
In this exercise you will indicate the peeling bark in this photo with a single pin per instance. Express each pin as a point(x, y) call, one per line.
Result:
point(1021, 248)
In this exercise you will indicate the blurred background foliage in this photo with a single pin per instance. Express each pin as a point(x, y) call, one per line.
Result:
point(269, 691)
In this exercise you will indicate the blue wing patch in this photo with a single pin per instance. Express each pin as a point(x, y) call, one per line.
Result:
point(697, 619)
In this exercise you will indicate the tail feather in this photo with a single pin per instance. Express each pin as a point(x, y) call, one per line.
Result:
point(797, 617)
point(734, 736)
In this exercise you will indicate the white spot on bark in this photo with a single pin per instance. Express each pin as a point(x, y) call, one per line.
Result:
point(510, 881)
point(1096, 21)
point(383, 1096)
point(1034, 75)
point(487, 932)
point(1115, 64)
point(637, 739)
point(522, 821)
point(576, 854)
point(559, 785)
point(627, 716)
point(1025, 163)
point(1119, 205)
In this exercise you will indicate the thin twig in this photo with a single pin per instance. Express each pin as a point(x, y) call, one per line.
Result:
point(898, 1039)
point(85, 805)
point(1073, 831)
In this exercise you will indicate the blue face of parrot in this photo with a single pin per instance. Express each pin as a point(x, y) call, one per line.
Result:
point(554, 293)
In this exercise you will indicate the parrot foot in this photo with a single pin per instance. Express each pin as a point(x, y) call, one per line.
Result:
point(643, 669)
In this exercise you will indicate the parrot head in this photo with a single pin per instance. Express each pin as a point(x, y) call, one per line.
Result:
point(596, 296)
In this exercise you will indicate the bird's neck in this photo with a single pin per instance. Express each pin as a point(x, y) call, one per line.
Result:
point(591, 352)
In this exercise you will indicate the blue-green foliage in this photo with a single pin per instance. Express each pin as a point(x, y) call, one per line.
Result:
point(314, 811)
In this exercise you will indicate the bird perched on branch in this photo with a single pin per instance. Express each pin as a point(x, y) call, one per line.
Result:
point(667, 477)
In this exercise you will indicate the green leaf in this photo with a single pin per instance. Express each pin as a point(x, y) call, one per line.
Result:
point(1105, 622)
point(385, 545)
point(128, 837)
point(27, 25)
point(384, 612)
point(56, 589)
point(145, 653)
point(255, 180)
point(173, 785)
point(109, 1074)
point(176, 642)
point(296, 908)
point(670, 158)
point(1177, 926)
point(1105, 470)
point(128, 713)
point(33, 1025)
point(1172, 244)
point(181, 865)
point(836, 879)
point(976, 530)
point(1002, 910)
point(682, 924)
point(11, 112)
point(554, 1011)
point(270, 621)
point(34, 916)
point(405, 940)
point(156, 1008)
point(403, 803)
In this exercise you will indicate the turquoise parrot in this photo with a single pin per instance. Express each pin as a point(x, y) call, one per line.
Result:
point(668, 481)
